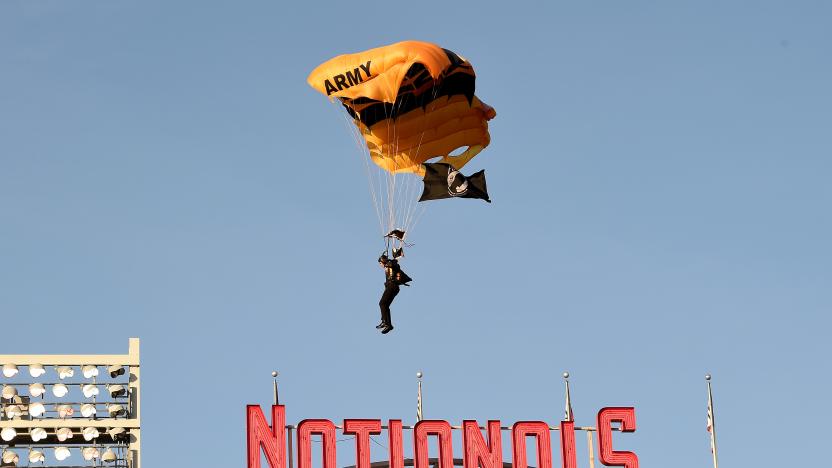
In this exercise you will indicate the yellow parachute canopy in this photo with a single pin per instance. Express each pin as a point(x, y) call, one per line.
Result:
point(412, 102)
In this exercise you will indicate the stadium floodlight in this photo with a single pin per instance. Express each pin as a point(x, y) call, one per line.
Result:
point(37, 434)
point(64, 372)
point(9, 392)
point(109, 456)
point(14, 411)
point(116, 410)
point(36, 370)
point(64, 411)
point(37, 389)
point(90, 390)
point(62, 453)
point(118, 434)
point(10, 457)
point(116, 390)
point(115, 370)
point(37, 410)
point(87, 410)
point(9, 370)
point(8, 433)
point(89, 433)
point(63, 434)
point(60, 390)
point(89, 371)
point(90, 453)
point(36, 456)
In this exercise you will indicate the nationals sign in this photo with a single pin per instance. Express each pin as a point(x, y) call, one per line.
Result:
point(478, 451)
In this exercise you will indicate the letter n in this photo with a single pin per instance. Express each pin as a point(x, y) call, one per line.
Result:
point(270, 439)
point(477, 452)
point(540, 431)
point(420, 443)
point(627, 418)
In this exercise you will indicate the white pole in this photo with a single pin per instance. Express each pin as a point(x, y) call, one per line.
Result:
point(712, 421)
point(419, 397)
point(274, 383)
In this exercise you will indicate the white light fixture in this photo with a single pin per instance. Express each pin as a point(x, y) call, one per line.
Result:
point(59, 390)
point(109, 456)
point(36, 456)
point(14, 411)
point(62, 453)
point(116, 410)
point(87, 410)
point(63, 434)
point(115, 371)
point(10, 457)
point(37, 410)
point(90, 453)
point(89, 433)
point(89, 371)
point(116, 433)
point(37, 389)
point(36, 370)
point(64, 372)
point(37, 434)
point(90, 390)
point(116, 390)
point(64, 411)
point(9, 392)
point(9, 370)
point(8, 433)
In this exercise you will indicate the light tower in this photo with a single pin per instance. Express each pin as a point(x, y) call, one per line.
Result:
point(71, 410)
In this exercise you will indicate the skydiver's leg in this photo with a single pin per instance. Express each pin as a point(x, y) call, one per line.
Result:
point(384, 304)
point(390, 293)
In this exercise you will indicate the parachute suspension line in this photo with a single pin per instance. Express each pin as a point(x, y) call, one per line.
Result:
point(415, 211)
point(397, 189)
point(391, 177)
point(363, 153)
point(353, 126)
point(404, 198)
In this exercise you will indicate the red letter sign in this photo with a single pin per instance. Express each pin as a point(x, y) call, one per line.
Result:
point(627, 418)
point(475, 448)
point(568, 458)
point(306, 428)
point(361, 429)
point(538, 429)
point(394, 431)
point(269, 438)
point(420, 443)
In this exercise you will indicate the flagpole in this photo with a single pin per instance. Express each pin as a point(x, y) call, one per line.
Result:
point(274, 383)
point(419, 397)
point(712, 421)
point(568, 416)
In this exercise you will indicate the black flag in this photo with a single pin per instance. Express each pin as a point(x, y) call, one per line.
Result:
point(396, 233)
point(443, 181)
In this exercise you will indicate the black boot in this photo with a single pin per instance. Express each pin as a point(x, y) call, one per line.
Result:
point(381, 325)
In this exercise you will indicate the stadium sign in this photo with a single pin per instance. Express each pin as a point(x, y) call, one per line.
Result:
point(478, 451)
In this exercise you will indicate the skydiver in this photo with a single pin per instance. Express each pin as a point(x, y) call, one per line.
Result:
point(393, 277)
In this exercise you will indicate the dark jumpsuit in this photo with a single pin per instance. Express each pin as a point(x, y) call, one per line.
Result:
point(391, 288)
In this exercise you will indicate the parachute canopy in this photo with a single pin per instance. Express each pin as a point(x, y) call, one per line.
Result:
point(412, 102)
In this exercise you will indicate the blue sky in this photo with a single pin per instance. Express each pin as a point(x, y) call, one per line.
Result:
point(660, 181)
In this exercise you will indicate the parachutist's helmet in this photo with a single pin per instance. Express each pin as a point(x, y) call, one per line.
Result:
point(383, 259)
